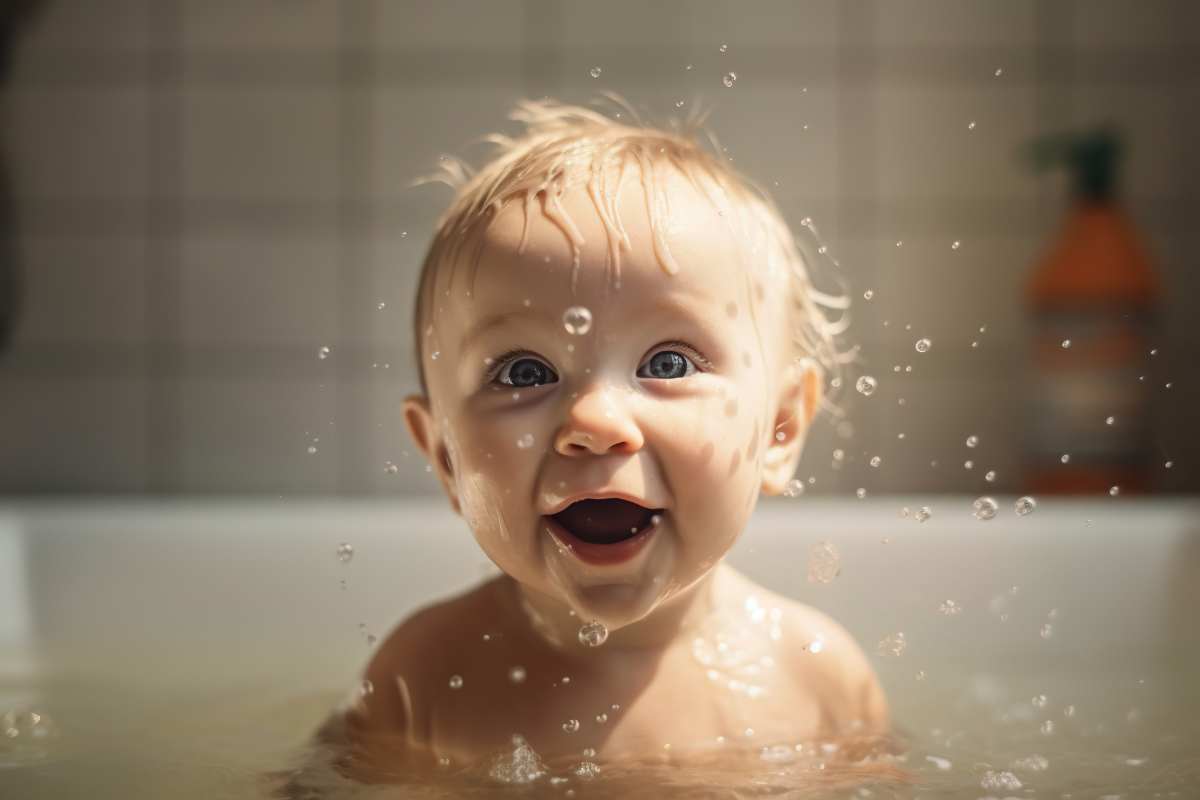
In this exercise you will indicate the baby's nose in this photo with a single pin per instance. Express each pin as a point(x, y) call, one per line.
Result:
point(597, 423)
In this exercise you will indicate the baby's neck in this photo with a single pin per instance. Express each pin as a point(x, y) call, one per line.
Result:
point(554, 624)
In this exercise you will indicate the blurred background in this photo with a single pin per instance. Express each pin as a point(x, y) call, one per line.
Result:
point(198, 195)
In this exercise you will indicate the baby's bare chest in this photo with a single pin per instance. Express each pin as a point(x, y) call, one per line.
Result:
point(678, 705)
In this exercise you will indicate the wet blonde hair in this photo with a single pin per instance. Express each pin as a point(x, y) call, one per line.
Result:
point(563, 145)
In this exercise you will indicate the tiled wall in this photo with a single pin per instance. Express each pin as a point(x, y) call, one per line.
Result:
point(207, 191)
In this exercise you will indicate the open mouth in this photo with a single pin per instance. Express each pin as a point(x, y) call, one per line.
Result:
point(607, 521)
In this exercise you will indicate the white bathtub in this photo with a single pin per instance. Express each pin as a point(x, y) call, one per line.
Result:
point(243, 602)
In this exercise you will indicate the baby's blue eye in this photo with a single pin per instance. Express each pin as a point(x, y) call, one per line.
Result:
point(524, 373)
point(667, 364)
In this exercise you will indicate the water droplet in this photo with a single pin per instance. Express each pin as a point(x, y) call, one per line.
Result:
point(923, 345)
point(868, 294)
point(921, 676)
point(1048, 727)
point(1114, 491)
point(345, 552)
point(1069, 712)
point(999, 780)
point(985, 508)
point(1110, 420)
point(860, 493)
point(990, 476)
point(1047, 631)
point(866, 385)
point(390, 468)
point(968, 464)
point(999, 71)
point(875, 461)
point(729, 79)
point(950, 608)
point(1168, 464)
point(593, 634)
point(892, 644)
point(1066, 344)
point(434, 355)
point(1167, 385)
point(525, 442)
point(322, 353)
point(900, 243)
point(1039, 701)
point(571, 726)
point(1024, 505)
point(957, 244)
point(724, 48)
point(1065, 458)
point(312, 450)
point(601, 718)
point(923, 513)
point(794, 488)
point(594, 72)
point(381, 306)
point(971, 125)
point(365, 688)
point(679, 104)
point(516, 674)
point(972, 440)
point(823, 563)
point(577, 320)
point(456, 681)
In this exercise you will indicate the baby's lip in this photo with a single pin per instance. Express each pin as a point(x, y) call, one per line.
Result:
point(602, 494)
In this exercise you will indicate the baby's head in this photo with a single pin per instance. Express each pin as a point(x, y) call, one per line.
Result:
point(610, 311)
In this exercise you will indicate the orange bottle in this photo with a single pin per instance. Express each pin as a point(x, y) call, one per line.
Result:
point(1094, 299)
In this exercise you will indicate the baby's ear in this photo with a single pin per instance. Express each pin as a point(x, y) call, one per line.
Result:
point(418, 416)
point(799, 396)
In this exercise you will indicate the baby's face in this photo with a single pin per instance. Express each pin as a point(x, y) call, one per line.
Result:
point(670, 400)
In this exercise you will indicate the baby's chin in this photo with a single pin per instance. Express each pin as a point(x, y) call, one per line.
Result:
point(617, 597)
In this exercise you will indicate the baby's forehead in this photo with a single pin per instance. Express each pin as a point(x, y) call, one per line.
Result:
point(595, 246)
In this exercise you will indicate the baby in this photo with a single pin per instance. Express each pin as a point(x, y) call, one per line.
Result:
point(620, 348)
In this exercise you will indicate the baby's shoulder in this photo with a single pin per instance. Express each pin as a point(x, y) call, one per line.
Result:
point(819, 653)
point(421, 650)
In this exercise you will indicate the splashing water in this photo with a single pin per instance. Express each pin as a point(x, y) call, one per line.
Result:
point(999, 780)
point(823, 563)
point(522, 765)
point(577, 320)
point(593, 634)
point(985, 508)
point(1025, 505)
point(892, 644)
point(794, 488)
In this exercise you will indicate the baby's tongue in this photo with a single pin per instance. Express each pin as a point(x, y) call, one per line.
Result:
point(603, 521)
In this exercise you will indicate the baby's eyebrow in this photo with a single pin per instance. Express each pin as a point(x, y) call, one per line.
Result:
point(489, 323)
